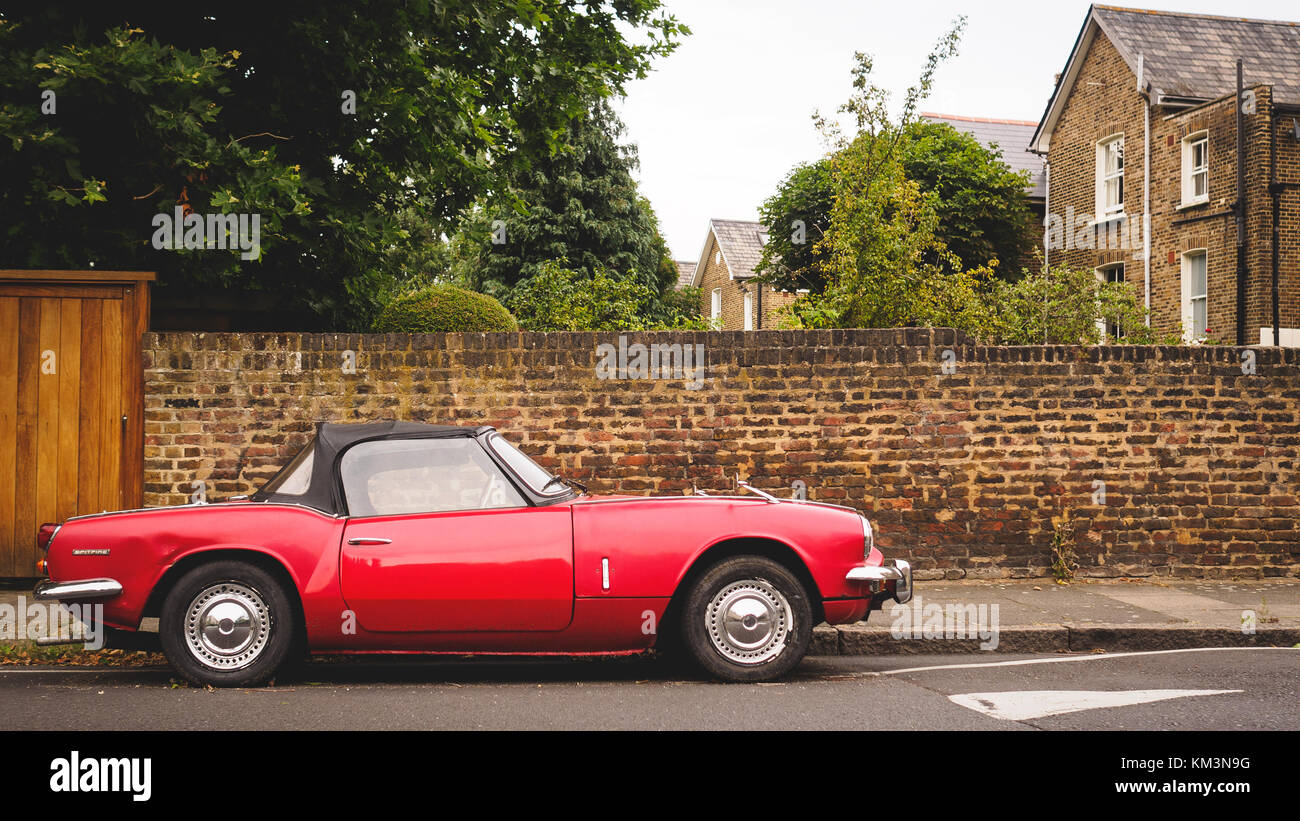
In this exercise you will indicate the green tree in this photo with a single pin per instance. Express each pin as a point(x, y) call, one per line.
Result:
point(580, 205)
point(983, 211)
point(1057, 306)
point(980, 204)
point(797, 217)
point(357, 129)
point(880, 252)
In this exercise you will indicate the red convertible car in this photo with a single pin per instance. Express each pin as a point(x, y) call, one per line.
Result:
point(399, 537)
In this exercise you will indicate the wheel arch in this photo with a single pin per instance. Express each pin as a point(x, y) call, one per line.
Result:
point(265, 561)
point(769, 548)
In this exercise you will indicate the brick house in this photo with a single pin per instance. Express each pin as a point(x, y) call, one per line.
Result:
point(724, 276)
point(1142, 130)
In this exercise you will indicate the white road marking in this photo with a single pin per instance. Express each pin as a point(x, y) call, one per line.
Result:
point(1024, 705)
point(1089, 657)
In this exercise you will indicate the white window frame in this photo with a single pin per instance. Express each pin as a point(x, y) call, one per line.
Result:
point(1191, 171)
point(1102, 272)
point(716, 306)
point(1189, 298)
point(749, 310)
point(1105, 210)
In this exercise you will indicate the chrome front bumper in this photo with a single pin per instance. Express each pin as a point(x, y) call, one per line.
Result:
point(875, 576)
point(77, 591)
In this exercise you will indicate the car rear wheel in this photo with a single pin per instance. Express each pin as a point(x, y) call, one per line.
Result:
point(747, 618)
point(227, 624)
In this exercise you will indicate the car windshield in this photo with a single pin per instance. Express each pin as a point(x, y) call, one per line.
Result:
point(533, 474)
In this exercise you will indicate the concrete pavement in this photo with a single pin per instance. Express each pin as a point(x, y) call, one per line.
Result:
point(1040, 616)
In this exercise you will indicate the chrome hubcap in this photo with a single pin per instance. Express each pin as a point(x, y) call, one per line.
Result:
point(749, 621)
point(227, 626)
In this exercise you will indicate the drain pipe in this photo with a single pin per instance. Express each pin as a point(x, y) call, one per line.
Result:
point(1241, 209)
point(1276, 193)
point(1047, 214)
point(1146, 187)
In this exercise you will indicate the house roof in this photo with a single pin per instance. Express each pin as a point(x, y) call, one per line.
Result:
point(1185, 58)
point(685, 273)
point(741, 243)
point(1011, 137)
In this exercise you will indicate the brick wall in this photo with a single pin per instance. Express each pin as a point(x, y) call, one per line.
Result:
point(963, 472)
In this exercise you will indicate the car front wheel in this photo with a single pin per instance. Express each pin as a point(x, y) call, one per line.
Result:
point(747, 618)
point(227, 624)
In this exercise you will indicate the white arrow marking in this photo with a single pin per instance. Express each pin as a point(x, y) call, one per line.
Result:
point(1029, 704)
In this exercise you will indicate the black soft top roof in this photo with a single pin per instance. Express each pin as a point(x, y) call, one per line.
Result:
point(336, 436)
point(332, 438)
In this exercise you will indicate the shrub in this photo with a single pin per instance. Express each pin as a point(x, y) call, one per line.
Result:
point(443, 309)
point(1056, 306)
point(559, 298)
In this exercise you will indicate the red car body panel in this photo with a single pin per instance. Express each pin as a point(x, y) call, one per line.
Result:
point(477, 571)
point(522, 580)
point(653, 543)
point(145, 544)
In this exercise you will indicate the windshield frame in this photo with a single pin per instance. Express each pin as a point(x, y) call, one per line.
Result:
point(557, 491)
point(304, 459)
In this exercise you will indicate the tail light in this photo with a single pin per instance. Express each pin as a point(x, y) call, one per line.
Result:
point(45, 536)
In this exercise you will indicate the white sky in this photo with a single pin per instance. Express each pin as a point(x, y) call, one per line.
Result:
point(722, 121)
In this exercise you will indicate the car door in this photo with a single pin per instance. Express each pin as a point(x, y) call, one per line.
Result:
point(439, 540)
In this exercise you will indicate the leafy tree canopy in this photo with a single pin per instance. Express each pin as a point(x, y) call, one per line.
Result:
point(981, 214)
point(983, 211)
point(357, 129)
point(580, 206)
point(797, 216)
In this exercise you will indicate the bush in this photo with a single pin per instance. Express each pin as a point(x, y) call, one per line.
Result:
point(1056, 306)
point(444, 309)
point(558, 298)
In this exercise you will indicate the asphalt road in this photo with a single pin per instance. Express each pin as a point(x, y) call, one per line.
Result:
point(1230, 689)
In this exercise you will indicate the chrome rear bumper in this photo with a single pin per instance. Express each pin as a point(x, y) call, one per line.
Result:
point(81, 590)
point(900, 573)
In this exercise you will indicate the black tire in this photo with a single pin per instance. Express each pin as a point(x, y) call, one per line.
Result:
point(771, 625)
point(232, 596)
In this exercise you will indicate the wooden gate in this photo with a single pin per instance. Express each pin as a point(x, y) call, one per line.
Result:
point(71, 401)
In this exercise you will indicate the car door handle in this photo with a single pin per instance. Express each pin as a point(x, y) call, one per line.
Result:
point(369, 540)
